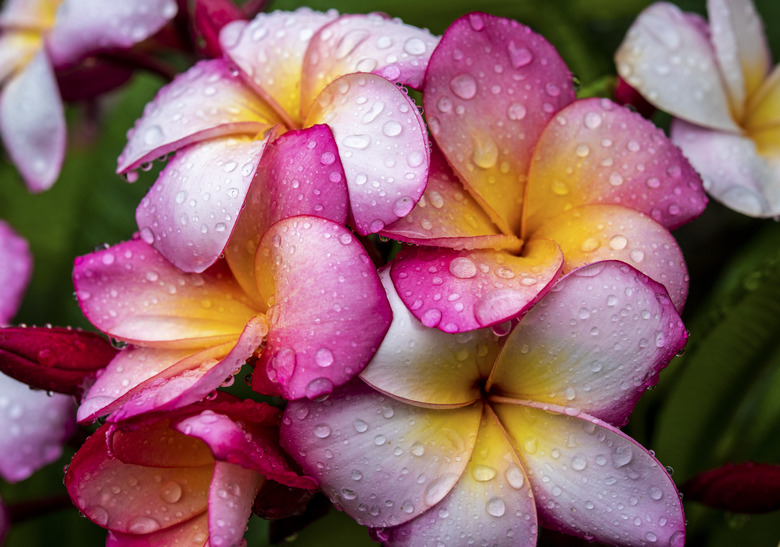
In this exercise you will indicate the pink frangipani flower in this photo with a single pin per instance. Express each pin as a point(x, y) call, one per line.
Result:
point(284, 71)
point(530, 183)
point(717, 81)
point(467, 435)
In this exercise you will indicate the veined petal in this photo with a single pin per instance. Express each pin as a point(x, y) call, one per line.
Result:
point(387, 461)
point(594, 343)
point(595, 151)
point(86, 26)
point(299, 174)
point(190, 211)
point(734, 172)
point(205, 102)
point(193, 532)
point(32, 123)
point(592, 233)
point(668, 58)
point(231, 494)
point(492, 84)
point(131, 292)
point(457, 291)
point(491, 504)
point(423, 365)
point(270, 50)
point(382, 144)
point(372, 43)
point(591, 480)
point(328, 311)
point(15, 273)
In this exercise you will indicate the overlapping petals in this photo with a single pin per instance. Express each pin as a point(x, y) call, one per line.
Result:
point(716, 80)
point(458, 435)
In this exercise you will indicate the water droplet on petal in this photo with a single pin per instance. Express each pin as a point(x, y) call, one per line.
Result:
point(463, 268)
point(483, 473)
point(496, 507)
point(171, 492)
point(324, 357)
point(519, 56)
point(464, 86)
point(143, 525)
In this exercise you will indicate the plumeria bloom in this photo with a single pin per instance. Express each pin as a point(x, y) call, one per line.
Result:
point(283, 71)
point(531, 183)
point(467, 438)
point(717, 81)
point(38, 37)
point(189, 477)
point(296, 293)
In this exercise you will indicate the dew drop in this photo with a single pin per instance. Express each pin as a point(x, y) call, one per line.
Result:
point(143, 525)
point(463, 268)
point(590, 245)
point(496, 507)
point(322, 431)
point(483, 473)
point(321, 387)
point(171, 492)
point(464, 86)
point(360, 426)
point(514, 476)
point(324, 357)
point(618, 243)
point(485, 153)
point(516, 112)
point(519, 56)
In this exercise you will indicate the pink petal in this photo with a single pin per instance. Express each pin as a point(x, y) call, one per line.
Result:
point(668, 58)
point(372, 43)
point(28, 13)
point(593, 233)
point(190, 211)
point(86, 26)
point(733, 171)
point(457, 291)
point(131, 292)
point(591, 480)
point(207, 18)
point(205, 102)
point(299, 174)
point(35, 425)
point(382, 144)
point(598, 152)
point(15, 272)
point(594, 343)
point(387, 461)
point(419, 364)
point(328, 311)
point(231, 494)
point(32, 123)
point(192, 532)
point(749, 487)
point(492, 85)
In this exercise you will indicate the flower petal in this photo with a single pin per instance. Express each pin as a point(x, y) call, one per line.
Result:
point(190, 211)
point(749, 487)
point(16, 49)
point(591, 480)
point(382, 144)
point(594, 343)
point(86, 26)
point(15, 272)
point(457, 291)
point(32, 123)
point(593, 233)
point(427, 366)
point(372, 43)
point(231, 494)
point(667, 56)
point(492, 84)
point(178, 114)
point(328, 311)
point(193, 532)
point(35, 14)
point(598, 152)
point(387, 461)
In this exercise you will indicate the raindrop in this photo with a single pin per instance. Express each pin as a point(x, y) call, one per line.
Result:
point(414, 46)
point(622, 456)
point(324, 357)
point(171, 492)
point(360, 426)
point(431, 317)
point(618, 243)
point(463, 268)
point(514, 476)
point(516, 111)
point(153, 135)
point(590, 245)
point(143, 525)
point(321, 387)
point(322, 431)
point(483, 473)
point(417, 449)
point(464, 86)
point(579, 462)
point(519, 56)
point(485, 152)
point(496, 507)
point(592, 120)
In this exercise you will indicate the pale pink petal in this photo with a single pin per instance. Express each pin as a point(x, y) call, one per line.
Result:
point(668, 58)
point(491, 504)
point(299, 174)
point(207, 101)
point(190, 211)
point(595, 151)
point(733, 171)
point(87, 26)
point(382, 144)
point(492, 84)
point(592, 233)
point(270, 50)
point(16, 263)
point(419, 364)
point(32, 123)
point(35, 425)
point(328, 310)
point(131, 292)
point(16, 50)
point(387, 461)
point(31, 14)
point(594, 343)
point(231, 495)
point(457, 291)
point(193, 532)
point(372, 43)
point(591, 480)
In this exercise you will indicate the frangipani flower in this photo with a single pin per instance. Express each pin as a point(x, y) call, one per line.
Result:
point(718, 83)
point(466, 438)
point(189, 477)
point(531, 183)
point(37, 38)
point(284, 71)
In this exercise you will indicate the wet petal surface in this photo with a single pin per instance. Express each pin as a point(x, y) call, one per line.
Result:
point(17, 261)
